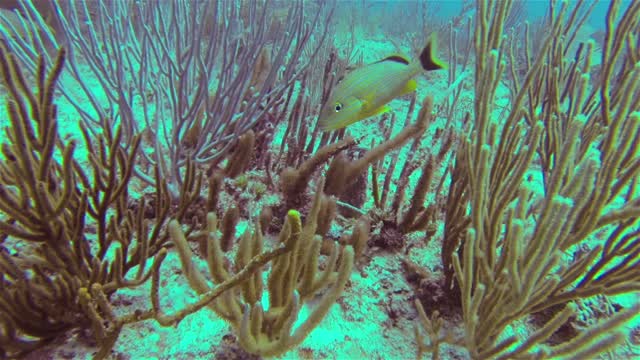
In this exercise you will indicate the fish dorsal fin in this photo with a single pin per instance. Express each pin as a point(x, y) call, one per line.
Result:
point(395, 58)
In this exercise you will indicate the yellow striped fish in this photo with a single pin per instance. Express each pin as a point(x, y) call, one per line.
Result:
point(365, 92)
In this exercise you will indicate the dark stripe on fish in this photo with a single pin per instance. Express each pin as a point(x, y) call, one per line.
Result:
point(394, 58)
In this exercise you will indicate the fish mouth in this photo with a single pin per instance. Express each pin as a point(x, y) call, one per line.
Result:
point(323, 123)
point(325, 117)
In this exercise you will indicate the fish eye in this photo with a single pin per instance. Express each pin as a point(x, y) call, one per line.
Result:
point(338, 107)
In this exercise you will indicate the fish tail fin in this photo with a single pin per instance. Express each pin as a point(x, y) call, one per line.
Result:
point(428, 57)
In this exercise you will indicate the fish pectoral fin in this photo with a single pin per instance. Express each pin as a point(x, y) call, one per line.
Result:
point(381, 110)
point(409, 87)
point(365, 106)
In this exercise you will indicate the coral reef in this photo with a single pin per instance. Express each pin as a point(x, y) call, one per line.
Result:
point(197, 210)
